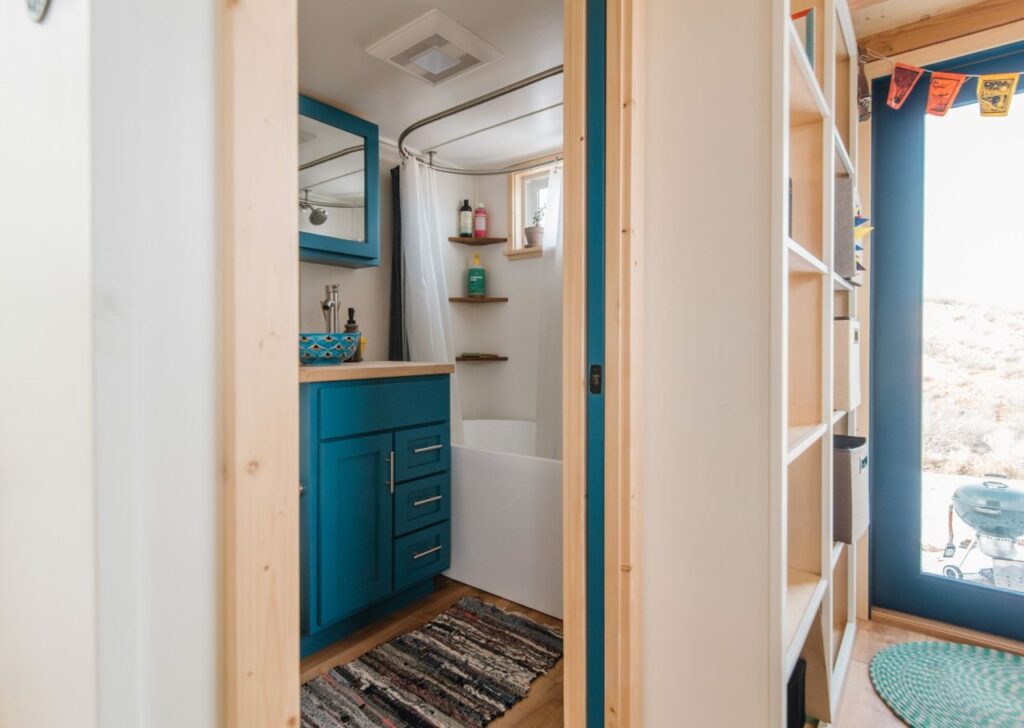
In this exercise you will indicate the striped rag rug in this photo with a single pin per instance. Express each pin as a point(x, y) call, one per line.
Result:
point(464, 668)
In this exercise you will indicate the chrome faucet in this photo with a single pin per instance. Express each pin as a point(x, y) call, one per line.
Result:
point(329, 306)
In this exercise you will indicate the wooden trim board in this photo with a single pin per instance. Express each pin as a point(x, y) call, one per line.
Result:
point(574, 432)
point(259, 369)
point(948, 26)
point(623, 328)
point(946, 631)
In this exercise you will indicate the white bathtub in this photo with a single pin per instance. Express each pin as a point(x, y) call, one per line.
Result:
point(507, 515)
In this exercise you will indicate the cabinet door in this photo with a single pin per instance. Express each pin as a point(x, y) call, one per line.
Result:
point(354, 525)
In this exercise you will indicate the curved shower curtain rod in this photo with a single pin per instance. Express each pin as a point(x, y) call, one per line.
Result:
point(472, 103)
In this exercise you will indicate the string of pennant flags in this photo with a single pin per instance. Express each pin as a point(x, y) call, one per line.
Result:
point(995, 90)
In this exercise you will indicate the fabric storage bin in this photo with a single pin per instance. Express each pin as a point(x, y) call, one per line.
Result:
point(847, 364)
point(849, 488)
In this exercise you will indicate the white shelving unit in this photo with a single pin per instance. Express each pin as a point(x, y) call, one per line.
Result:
point(817, 143)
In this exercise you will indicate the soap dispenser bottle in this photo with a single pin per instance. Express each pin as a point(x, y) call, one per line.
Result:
point(351, 327)
point(480, 221)
point(476, 282)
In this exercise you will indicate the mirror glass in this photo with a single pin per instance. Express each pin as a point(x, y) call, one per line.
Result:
point(332, 172)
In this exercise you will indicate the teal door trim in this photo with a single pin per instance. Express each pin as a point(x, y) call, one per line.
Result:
point(897, 293)
point(596, 92)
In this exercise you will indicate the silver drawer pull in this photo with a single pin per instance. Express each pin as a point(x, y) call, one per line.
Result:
point(428, 448)
point(988, 511)
point(417, 504)
point(428, 552)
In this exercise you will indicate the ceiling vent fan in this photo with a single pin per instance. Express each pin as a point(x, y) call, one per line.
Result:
point(434, 48)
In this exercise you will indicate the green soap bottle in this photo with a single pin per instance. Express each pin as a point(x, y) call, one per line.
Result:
point(476, 282)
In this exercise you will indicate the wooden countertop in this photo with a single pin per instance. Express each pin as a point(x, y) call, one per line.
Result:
point(370, 370)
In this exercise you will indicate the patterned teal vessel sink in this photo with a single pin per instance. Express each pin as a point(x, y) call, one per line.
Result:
point(324, 349)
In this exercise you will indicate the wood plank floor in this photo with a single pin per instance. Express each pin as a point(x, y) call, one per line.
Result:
point(860, 706)
point(542, 706)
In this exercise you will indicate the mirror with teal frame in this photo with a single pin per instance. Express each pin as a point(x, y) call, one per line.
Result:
point(339, 187)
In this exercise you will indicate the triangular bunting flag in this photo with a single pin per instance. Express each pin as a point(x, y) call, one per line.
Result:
point(942, 92)
point(904, 78)
point(995, 92)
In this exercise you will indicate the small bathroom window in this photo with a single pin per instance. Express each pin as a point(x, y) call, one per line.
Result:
point(528, 191)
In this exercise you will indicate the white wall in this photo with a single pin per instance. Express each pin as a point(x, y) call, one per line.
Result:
point(505, 390)
point(156, 320)
point(368, 290)
point(47, 484)
point(706, 511)
point(108, 429)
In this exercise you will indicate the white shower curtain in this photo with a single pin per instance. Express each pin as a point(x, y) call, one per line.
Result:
point(427, 318)
point(549, 367)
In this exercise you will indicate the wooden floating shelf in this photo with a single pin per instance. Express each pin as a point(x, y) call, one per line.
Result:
point(481, 358)
point(802, 260)
point(806, 101)
point(478, 299)
point(804, 592)
point(800, 439)
point(478, 241)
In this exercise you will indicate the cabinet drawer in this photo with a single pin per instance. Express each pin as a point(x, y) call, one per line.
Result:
point(422, 554)
point(357, 407)
point(422, 451)
point(422, 502)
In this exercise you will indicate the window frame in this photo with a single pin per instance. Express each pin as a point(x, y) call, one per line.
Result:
point(515, 248)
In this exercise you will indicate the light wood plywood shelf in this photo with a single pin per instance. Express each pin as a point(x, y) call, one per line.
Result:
point(815, 147)
point(841, 284)
point(804, 592)
point(800, 439)
point(803, 261)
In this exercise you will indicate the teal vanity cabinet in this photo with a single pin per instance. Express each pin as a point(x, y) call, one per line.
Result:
point(376, 499)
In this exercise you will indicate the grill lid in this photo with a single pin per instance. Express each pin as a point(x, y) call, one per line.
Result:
point(992, 508)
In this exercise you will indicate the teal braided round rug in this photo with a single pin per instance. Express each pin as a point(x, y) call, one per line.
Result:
point(946, 685)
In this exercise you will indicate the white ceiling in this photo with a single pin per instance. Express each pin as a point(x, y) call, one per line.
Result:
point(334, 67)
point(876, 16)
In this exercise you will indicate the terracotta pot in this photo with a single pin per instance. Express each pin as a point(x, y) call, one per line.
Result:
point(534, 236)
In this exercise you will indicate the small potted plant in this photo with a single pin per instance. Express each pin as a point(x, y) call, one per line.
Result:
point(535, 233)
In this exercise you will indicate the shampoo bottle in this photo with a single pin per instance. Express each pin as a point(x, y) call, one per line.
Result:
point(480, 221)
point(476, 284)
point(465, 220)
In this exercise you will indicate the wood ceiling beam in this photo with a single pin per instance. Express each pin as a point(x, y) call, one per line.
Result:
point(944, 27)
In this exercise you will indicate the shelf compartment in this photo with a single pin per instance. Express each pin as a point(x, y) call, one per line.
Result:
point(804, 592)
point(802, 261)
point(840, 284)
point(842, 155)
point(817, 693)
point(845, 79)
point(478, 299)
point(840, 599)
point(481, 358)
point(837, 415)
point(806, 101)
point(800, 439)
point(478, 241)
point(837, 551)
point(804, 493)
point(806, 171)
point(805, 345)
